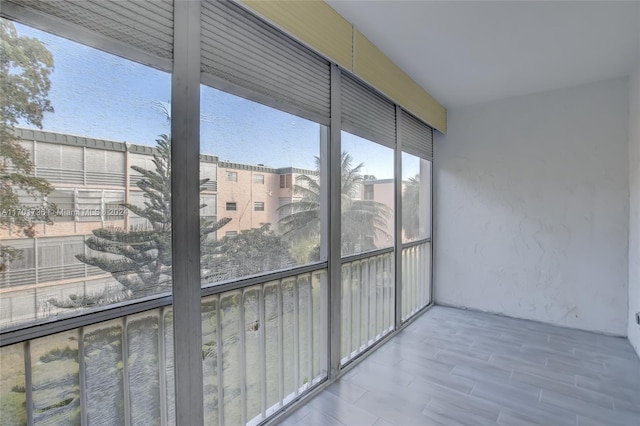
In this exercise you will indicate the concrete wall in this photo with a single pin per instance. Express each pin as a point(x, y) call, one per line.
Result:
point(532, 207)
point(244, 192)
point(634, 212)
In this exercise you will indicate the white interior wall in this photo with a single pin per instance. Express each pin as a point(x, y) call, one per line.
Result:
point(634, 212)
point(532, 207)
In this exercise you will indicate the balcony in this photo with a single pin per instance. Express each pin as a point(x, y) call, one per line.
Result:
point(534, 219)
point(457, 367)
point(264, 346)
point(264, 360)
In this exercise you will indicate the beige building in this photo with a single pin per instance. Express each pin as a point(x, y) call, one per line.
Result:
point(381, 191)
point(92, 178)
point(251, 195)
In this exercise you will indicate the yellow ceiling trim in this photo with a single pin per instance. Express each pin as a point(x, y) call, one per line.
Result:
point(379, 71)
point(317, 25)
point(313, 22)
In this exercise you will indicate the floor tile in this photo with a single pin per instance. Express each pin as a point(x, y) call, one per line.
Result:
point(458, 367)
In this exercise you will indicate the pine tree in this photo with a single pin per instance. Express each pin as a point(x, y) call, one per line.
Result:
point(25, 66)
point(140, 258)
point(252, 251)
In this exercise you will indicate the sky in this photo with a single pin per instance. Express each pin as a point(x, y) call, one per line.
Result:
point(99, 95)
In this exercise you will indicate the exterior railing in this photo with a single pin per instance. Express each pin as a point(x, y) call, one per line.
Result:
point(367, 302)
point(32, 303)
point(47, 274)
point(115, 372)
point(61, 175)
point(81, 177)
point(104, 178)
point(416, 278)
point(262, 346)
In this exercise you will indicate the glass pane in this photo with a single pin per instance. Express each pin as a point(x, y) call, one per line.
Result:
point(319, 294)
point(368, 303)
point(120, 370)
point(289, 337)
point(252, 352)
point(273, 344)
point(90, 115)
point(56, 380)
point(168, 361)
point(262, 346)
point(268, 188)
point(231, 357)
point(210, 356)
point(416, 278)
point(142, 360)
point(416, 198)
point(367, 195)
point(103, 365)
point(13, 401)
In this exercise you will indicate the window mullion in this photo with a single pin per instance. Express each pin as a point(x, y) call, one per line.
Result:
point(335, 217)
point(185, 165)
point(398, 219)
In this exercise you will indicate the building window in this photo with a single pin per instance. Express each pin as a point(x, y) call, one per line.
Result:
point(368, 192)
point(258, 178)
point(231, 207)
point(232, 176)
point(114, 205)
point(21, 270)
point(258, 206)
point(63, 200)
point(89, 206)
point(231, 234)
point(285, 181)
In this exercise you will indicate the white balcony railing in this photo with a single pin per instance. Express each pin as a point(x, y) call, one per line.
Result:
point(367, 302)
point(416, 278)
point(262, 346)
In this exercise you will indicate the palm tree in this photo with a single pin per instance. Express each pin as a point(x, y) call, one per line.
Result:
point(362, 220)
point(411, 208)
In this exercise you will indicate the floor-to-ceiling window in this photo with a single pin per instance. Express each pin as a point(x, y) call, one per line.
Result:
point(416, 234)
point(87, 270)
point(416, 200)
point(264, 331)
point(367, 243)
point(79, 236)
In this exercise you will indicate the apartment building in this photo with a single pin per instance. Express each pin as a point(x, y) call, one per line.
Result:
point(92, 180)
point(252, 195)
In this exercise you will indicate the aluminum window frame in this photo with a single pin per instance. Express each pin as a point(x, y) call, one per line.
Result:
point(186, 25)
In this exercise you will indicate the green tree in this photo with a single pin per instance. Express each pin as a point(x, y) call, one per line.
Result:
point(25, 67)
point(362, 220)
point(251, 252)
point(411, 207)
point(140, 258)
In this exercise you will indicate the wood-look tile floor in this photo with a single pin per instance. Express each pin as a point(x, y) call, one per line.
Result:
point(457, 367)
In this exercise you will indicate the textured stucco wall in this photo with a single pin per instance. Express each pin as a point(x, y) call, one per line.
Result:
point(634, 212)
point(532, 207)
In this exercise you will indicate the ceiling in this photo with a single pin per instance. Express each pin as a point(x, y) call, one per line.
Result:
point(469, 52)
